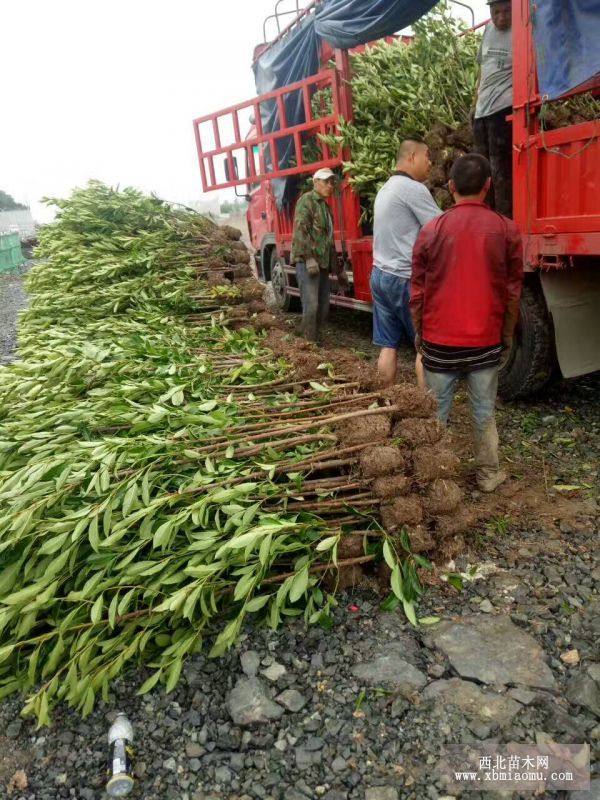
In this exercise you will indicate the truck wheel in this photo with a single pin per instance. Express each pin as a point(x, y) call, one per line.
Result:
point(532, 361)
point(283, 300)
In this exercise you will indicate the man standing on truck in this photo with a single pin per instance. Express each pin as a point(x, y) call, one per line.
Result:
point(402, 206)
point(466, 286)
point(491, 130)
point(313, 252)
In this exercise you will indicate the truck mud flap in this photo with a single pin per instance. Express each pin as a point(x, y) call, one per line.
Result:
point(573, 299)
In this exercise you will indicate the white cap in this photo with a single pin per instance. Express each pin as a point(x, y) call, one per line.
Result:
point(323, 174)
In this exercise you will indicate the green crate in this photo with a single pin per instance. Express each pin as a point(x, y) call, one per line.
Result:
point(17, 256)
point(9, 240)
point(10, 256)
point(5, 260)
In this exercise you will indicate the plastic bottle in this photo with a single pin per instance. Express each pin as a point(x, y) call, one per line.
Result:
point(120, 772)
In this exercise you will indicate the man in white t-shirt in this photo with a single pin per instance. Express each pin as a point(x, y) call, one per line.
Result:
point(492, 132)
point(402, 206)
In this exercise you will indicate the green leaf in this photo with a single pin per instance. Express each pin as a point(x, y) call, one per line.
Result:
point(93, 534)
point(250, 513)
point(421, 561)
point(146, 489)
point(389, 556)
point(88, 703)
point(8, 578)
point(52, 545)
point(6, 652)
point(429, 620)
point(112, 610)
point(129, 499)
point(177, 398)
point(264, 551)
point(405, 540)
point(124, 602)
point(409, 610)
point(190, 603)
point(96, 612)
point(299, 585)
point(162, 534)
point(150, 682)
point(173, 677)
point(225, 639)
point(257, 603)
point(456, 581)
point(391, 603)
point(23, 595)
point(244, 586)
point(43, 717)
point(327, 544)
point(397, 583)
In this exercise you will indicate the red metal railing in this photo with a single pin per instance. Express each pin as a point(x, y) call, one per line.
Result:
point(556, 173)
point(264, 145)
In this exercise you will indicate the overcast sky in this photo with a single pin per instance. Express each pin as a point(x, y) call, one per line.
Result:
point(108, 89)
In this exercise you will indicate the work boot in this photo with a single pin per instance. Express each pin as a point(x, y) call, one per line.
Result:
point(487, 466)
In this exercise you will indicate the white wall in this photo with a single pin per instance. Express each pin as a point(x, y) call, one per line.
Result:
point(20, 221)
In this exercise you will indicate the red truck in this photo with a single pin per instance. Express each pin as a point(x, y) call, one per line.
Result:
point(556, 176)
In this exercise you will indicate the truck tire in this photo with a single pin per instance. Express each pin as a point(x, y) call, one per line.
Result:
point(282, 298)
point(532, 361)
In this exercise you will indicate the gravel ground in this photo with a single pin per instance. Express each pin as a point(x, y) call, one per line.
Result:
point(12, 300)
point(365, 710)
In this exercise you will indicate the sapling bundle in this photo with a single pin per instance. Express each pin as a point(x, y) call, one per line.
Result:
point(584, 107)
point(426, 88)
point(139, 492)
point(168, 472)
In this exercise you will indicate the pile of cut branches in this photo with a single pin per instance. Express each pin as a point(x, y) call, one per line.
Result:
point(426, 88)
point(583, 107)
point(167, 472)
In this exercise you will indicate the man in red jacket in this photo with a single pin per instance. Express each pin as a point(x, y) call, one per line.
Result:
point(467, 275)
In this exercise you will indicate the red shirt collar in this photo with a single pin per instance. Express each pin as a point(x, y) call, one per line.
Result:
point(469, 203)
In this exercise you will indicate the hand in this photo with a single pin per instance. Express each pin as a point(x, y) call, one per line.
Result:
point(418, 343)
point(312, 266)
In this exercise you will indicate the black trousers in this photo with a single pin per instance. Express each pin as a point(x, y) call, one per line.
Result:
point(493, 139)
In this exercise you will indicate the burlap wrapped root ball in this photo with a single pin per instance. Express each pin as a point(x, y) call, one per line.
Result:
point(376, 462)
point(460, 521)
point(416, 432)
point(363, 430)
point(265, 321)
point(338, 580)
point(443, 497)
point(387, 488)
point(218, 277)
point(432, 462)
point(227, 233)
point(351, 545)
point(410, 401)
point(402, 512)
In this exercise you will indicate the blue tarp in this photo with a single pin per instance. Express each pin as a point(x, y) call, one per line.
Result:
point(567, 42)
point(291, 60)
point(349, 23)
point(343, 23)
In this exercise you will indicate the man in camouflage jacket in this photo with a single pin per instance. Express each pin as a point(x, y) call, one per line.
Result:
point(313, 252)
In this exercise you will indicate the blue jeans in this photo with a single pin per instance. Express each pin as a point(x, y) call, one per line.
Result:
point(314, 294)
point(392, 321)
point(482, 386)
